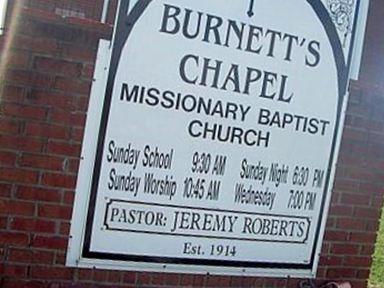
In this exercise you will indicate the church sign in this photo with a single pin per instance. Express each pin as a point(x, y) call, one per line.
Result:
point(212, 137)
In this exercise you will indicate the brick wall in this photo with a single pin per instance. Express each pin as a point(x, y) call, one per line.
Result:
point(45, 87)
point(90, 9)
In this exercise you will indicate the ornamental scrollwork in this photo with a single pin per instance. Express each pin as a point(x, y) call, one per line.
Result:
point(341, 14)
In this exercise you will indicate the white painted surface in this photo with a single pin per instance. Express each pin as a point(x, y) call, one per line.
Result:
point(3, 11)
point(359, 42)
point(152, 59)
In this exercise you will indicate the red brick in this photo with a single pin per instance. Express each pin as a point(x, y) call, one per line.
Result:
point(68, 118)
point(199, 280)
point(81, 103)
point(24, 111)
point(325, 248)
point(65, 228)
point(77, 134)
point(57, 100)
point(74, 52)
point(363, 274)
point(47, 46)
point(73, 165)
point(340, 273)
point(114, 276)
point(357, 148)
point(336, 195)
point(20, 143)
point(51, 273)
point(73, 85)
point(3, 224)
point(345, 249)
point(38, 194)
point(371, 188)
point(9, 126)
point(370, 213)
point(63, 148)
point(247, 281)
point(55, 211)
point(42, 161)
point(331, 260)
point(376, 137)
point(345, 158)
point(58, 66)
point(354, 199)
point(378, 164)
point(362, 174)
point(69, 197)
point(321, 273)
point(354, 261)
point(363, 237)
point(353, 121)
point(5, 190)
point(112, 11)
point(376, 126)
point(88, 71)
point(157, 279)
point(47, 130)
point(29, 78)
point(372, 225)
point(50, 242)
point(340, 210)
point(331, 235)
point(100, 276)
point(30, 256)
point(291, 283)
point(13, 94)
point(270, 282)
point(186, 280)
point(350, 223)
point(85, 274)
point(377, 202)
point(129, 277)
point(330, 224)
point(143, 278)
point(7, 158)
point(33, 225)
point(355, 134)
point(14, 238)
point(222, 281)
point(60, 259)
point(19, 283)
point(374, 150)
point(18, 59)
point(346, 185)
point(18, 175)
point(59, 180)
point(359, 284)
point(367, 249)
point(171, 279)
point(13, 207)
point(12, 270)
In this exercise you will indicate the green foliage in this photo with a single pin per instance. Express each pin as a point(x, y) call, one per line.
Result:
point(377, 273)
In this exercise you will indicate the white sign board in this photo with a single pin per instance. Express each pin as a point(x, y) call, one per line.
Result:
point(212, 135)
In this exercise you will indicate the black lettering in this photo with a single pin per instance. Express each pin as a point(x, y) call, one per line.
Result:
point(314, 50)
point(187, 19)
point(170, 12)
point(182, 69)
point(213, 24)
